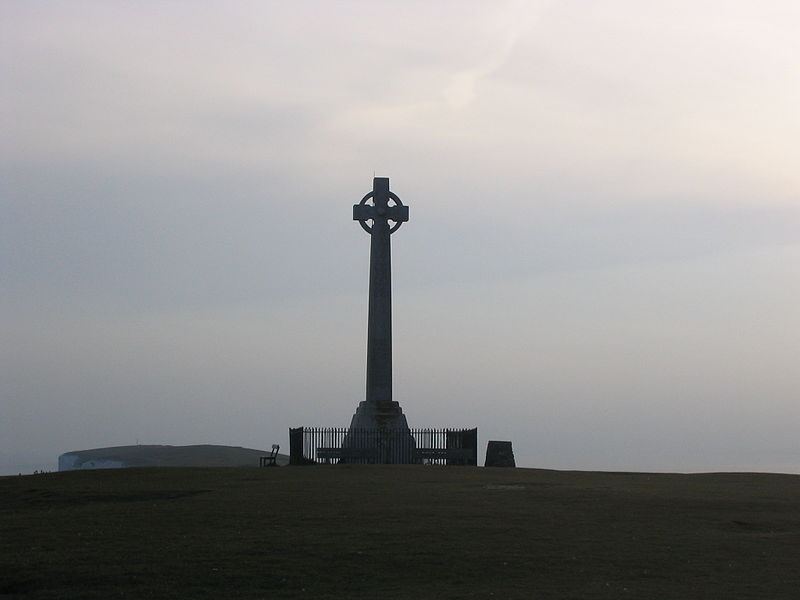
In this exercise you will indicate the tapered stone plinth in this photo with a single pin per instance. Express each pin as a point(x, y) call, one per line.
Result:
point(369, 415)
point(499, 454)
point(383, 430)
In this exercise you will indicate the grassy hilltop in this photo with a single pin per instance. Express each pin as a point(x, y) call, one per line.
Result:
point(398, 532)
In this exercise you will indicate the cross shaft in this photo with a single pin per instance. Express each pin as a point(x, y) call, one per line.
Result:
point(379, 326)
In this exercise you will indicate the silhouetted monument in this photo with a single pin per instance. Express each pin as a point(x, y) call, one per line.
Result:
point(378, 410)
point(379, 432)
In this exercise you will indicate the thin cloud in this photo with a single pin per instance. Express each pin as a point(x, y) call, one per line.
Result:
point(517, 20)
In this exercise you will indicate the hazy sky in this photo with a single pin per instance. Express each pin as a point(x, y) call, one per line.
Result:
point(601, 263)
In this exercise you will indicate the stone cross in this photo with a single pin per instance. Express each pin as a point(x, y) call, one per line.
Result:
point(379, 328)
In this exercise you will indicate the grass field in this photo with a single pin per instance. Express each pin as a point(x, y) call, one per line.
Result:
point(398, 532)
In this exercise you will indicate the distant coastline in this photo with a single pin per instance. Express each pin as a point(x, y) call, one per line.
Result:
point(27, 468)
point(201, 455)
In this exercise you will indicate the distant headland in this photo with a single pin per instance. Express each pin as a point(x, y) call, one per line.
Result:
point(203, 455)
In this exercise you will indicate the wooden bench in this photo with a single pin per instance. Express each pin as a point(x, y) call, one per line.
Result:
point(455, 455)
point(269, 461)
point(328, 454)
point(449, 454)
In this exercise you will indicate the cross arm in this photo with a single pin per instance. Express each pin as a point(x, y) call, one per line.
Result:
point(363, 212)
point(398, 213)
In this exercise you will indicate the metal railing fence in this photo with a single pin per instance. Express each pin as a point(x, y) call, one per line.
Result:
point(343, 445)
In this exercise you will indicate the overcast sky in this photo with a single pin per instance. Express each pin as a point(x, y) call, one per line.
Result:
point(601, 263)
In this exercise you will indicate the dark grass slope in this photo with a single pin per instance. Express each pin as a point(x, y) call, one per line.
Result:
point(398, 532)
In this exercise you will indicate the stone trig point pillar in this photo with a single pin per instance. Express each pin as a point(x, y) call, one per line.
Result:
point(379, 411)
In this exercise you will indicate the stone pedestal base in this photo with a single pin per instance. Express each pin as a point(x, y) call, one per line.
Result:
point(499, 454)
point(382, 432)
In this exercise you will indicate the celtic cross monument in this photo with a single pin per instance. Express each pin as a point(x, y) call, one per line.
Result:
point(379, 432)
point(378, 410)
